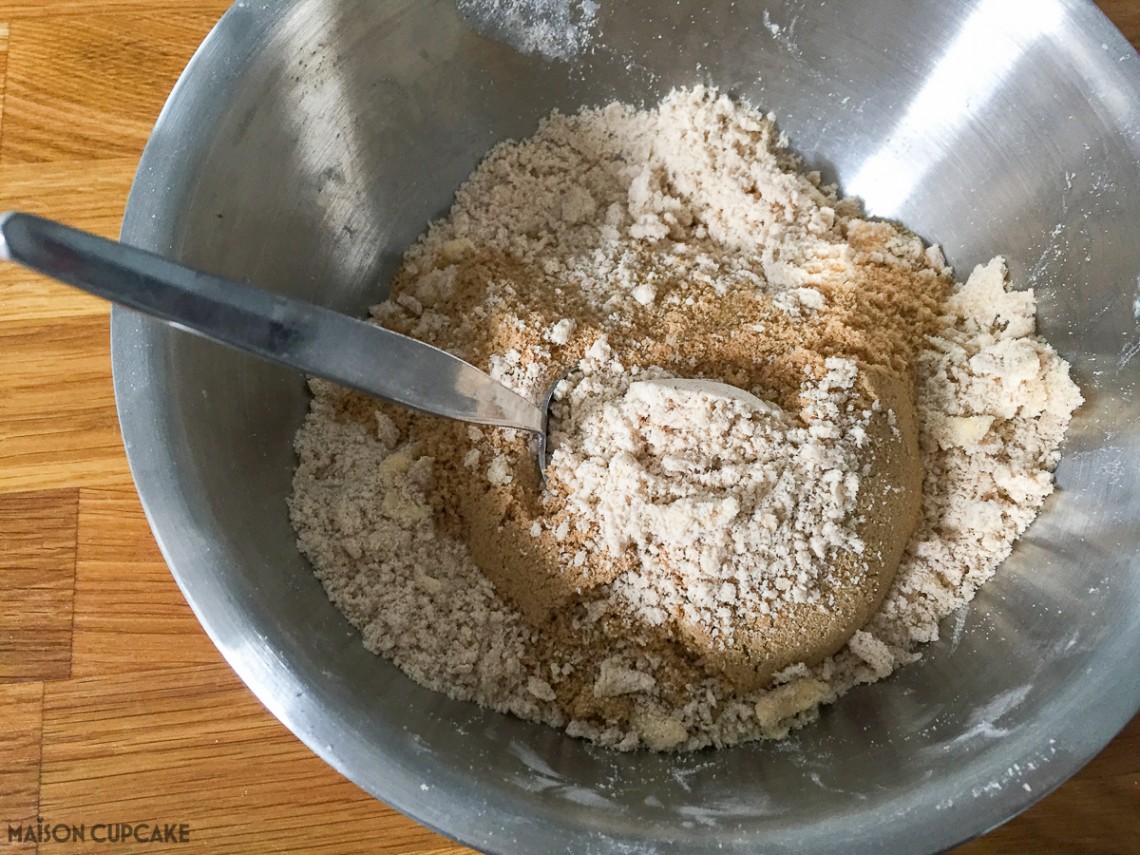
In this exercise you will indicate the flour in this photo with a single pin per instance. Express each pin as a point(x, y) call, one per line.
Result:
point(787, 445)
point(994, 402)
point(704, 483)
point(731, 508)
point(555, 29)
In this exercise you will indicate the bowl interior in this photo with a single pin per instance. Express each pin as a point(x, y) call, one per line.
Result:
point(308, 145)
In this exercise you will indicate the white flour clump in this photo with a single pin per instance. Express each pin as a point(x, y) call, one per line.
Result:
point(994, 402)
point(884, 437)
point(728, 502)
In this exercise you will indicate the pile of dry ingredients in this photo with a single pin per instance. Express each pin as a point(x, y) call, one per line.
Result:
point(788, 445)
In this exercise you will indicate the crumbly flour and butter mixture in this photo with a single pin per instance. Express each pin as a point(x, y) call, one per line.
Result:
point(787, 445)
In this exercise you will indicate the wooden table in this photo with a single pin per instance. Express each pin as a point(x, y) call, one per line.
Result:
point(114, 706)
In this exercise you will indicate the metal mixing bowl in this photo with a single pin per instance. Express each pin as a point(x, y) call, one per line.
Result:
point(310, 141)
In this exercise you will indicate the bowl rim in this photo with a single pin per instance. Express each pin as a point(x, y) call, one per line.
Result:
point(165, 172)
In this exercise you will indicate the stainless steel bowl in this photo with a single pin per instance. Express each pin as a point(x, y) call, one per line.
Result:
point(308, 144)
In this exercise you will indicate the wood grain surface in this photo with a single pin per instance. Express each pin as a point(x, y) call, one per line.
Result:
point(114, 706)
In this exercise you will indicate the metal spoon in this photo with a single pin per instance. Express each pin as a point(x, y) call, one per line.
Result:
point(302, 335)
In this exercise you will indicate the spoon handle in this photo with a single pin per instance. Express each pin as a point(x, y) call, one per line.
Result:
point(302, 335)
